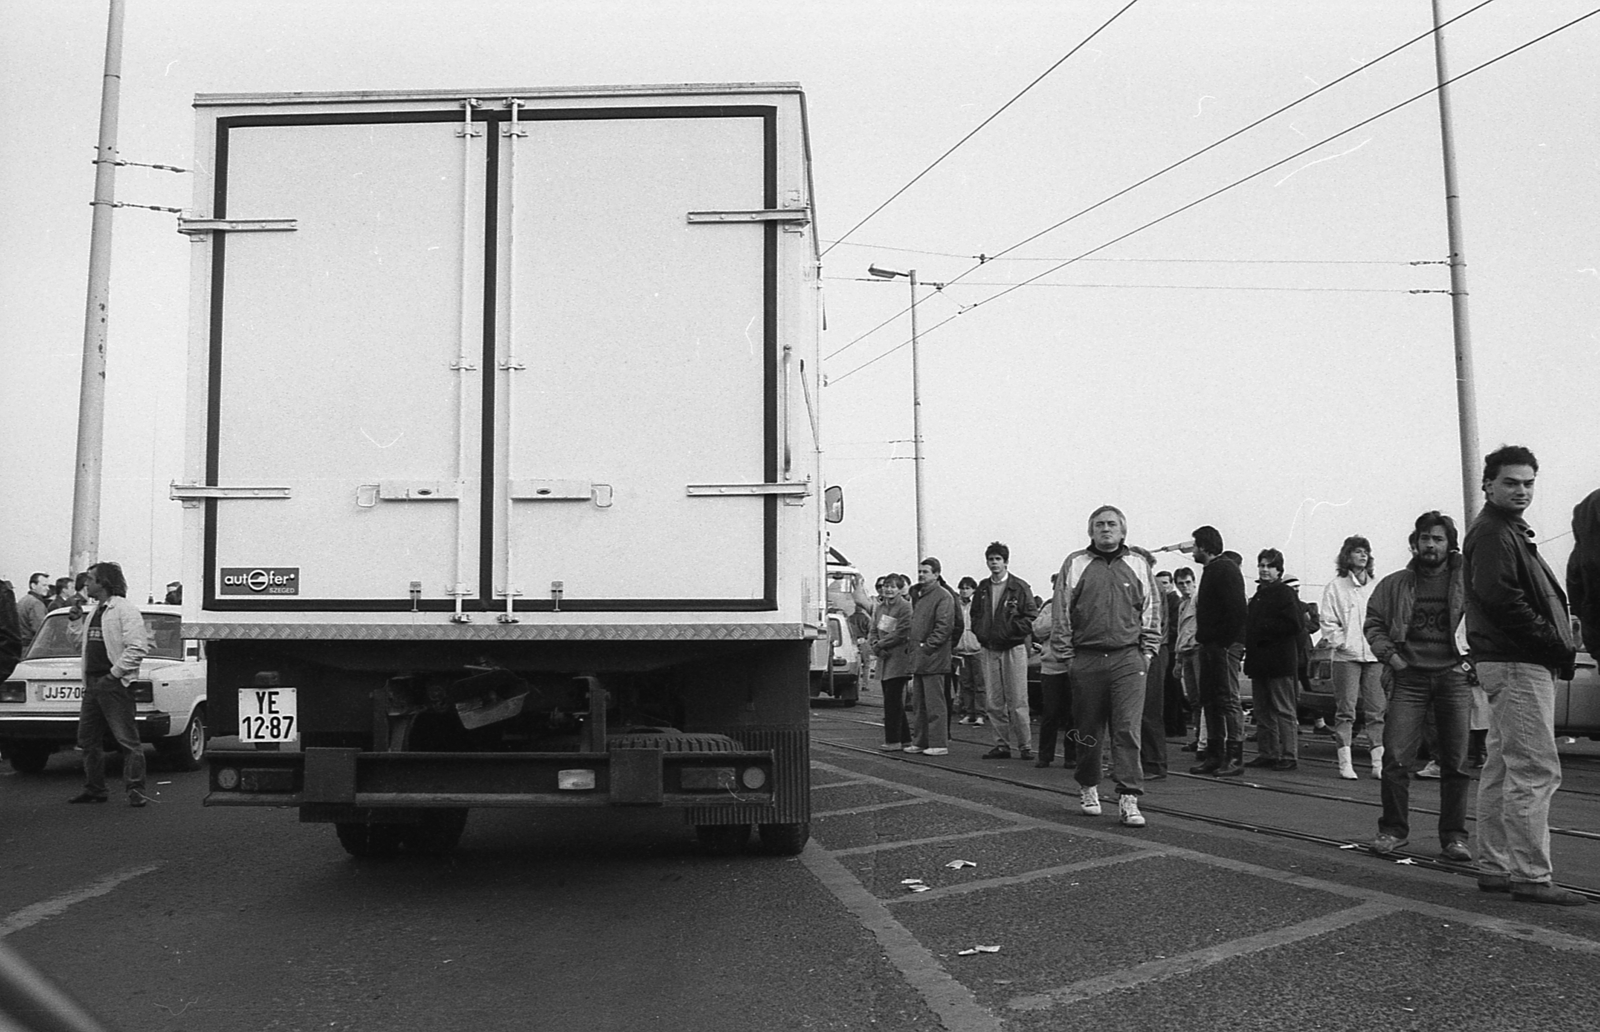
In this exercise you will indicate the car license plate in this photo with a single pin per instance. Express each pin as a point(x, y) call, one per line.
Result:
point(268, 715)
point(54, 692)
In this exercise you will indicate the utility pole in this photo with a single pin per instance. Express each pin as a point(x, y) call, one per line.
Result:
point(92, 386)
point(916, 402)
point(1466, 389)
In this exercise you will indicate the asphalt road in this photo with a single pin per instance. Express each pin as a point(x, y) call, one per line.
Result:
point(181, 917)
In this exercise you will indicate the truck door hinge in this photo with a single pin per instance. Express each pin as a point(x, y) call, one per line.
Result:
point(200, 227)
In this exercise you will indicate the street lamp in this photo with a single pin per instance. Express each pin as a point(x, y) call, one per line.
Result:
point(916, 400)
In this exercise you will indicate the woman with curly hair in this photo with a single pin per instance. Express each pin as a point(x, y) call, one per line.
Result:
point(1357, 674)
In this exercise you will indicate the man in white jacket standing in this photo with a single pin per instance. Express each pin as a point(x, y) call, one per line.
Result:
point(1357, 674)
point(114, 643)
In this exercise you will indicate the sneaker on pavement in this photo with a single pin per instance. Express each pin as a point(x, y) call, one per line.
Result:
point(1089, 800)
point(1129, 805)
point(977, 721)
point(1456, 850)
point(1429, 770)
point(999, 752)
point(889, 747)
point(936, 751)
point(1026, 754)
point(1386, 843)
point(88, 797)
point(1546, 893)
point(137, 798)
point(911, 748)
point(964, 720)
point(1494, 883)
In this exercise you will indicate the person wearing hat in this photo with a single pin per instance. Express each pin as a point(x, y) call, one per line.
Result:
point(1106, 623)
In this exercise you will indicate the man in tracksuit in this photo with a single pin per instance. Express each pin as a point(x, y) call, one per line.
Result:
point(1412, 618)
point(1106, 623)
point(1521, 639)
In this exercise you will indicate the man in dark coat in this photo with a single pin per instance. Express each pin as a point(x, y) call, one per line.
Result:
point(1583, 571)
point(1219, 617)
point(1272, 631)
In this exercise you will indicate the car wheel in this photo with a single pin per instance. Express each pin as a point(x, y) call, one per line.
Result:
point(188, 750)
point(29, 757)
point(369, 841)
point(722, 839)
point(438, 834)
point(785, 839)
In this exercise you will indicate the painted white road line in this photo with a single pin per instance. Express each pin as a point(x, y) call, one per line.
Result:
point(32, 915)
point(1189, 963)
point(957, 1008)
point(869, 808)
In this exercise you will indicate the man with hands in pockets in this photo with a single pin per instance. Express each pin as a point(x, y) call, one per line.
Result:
point(114, 642)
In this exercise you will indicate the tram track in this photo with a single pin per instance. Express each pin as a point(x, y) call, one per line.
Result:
point(1422, 861)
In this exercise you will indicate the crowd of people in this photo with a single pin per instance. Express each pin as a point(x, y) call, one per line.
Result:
point(113, 640)
point(1455, 655)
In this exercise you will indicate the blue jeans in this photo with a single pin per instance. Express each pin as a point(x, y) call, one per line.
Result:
point(1522, 774)
point(1409, 699)
point(1108, 688)
point(1277, 720)
point(109, 710)
point(1005, 687)
point(1352, 683)
point(1219, 696)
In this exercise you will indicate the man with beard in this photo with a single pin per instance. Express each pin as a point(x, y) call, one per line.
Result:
point(1412, 622)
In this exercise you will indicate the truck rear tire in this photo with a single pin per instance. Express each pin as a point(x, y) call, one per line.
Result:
point(29, 757)
point(369, 841)
point(785, 839)
point(439, 832)
point(722, 839)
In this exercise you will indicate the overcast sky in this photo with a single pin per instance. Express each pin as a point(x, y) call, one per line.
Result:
point(1259, 362)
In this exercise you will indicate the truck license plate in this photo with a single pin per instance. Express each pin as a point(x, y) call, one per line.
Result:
point(60, 691)
point(268, 715)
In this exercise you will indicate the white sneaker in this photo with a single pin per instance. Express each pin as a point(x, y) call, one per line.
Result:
point(936, 751)
point(889, 747)
point(1429, 770)
point(912, 748)
point(1089, 800)
point(1377, 762)
point(964, 720)
point(1347, 769)
point(1129, 805)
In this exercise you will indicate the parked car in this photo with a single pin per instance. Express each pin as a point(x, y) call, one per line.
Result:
point(39, 703)
point(1577, 708)
point(836, 664)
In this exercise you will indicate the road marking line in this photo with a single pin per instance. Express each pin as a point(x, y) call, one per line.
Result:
point(870, 808)
point(1197, 960)
point(32, 915)
point(841, 784)
point(1498, 925)
point(957, 1008)
point(1019, 879)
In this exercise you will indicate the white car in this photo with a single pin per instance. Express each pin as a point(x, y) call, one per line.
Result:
point(39, 702)
point(836, 663)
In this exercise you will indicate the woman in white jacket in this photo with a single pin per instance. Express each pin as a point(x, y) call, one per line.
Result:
point(1357, 674)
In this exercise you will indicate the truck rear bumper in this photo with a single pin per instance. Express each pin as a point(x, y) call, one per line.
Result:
point(332, 784)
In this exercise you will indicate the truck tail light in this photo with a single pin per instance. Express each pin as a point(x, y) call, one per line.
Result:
point(14, 691)
point(143, 691)
point(753, 778)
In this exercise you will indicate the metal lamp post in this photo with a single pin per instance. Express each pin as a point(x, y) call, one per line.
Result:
point(916, 401)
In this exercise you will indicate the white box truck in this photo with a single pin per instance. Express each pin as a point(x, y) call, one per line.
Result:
point(502, 477)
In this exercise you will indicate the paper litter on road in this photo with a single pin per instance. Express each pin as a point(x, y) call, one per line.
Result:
point(910, 881)
point(959, 864)
point(1407, 860)
point(1349, 845)
point(919, 887)
point(977, 949)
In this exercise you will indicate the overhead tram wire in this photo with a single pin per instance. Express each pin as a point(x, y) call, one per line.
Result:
point(1237, 182)
point(1169, 286)
point(985, 259)
point(1179, 261)
point(1001, 110)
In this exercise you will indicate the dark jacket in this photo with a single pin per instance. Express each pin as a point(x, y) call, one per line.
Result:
point(932, 623)
point(1394, 600)
point(1583, 570)
point(1010, 625)
point(10, 635)
point(1516, 611)
point(1219, 606)
point(890, 639)
point(1272, 630)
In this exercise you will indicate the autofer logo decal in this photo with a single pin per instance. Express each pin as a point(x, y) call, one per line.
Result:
point(261, 580)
